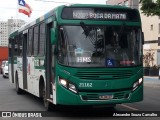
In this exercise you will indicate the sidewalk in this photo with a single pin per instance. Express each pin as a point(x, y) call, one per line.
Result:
point(151, 81)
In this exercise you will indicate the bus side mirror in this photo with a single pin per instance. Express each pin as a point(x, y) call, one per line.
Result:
point(53, 36)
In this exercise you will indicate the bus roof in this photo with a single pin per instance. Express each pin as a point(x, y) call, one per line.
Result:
point(13, 34)
point(59, 8)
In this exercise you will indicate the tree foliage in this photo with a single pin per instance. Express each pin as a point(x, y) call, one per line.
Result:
point(150, 7)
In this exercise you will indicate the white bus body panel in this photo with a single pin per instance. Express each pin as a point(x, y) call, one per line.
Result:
point(33, 76)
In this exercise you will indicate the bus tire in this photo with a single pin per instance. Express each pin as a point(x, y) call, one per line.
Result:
point(47, 104)
point(112, 107)
point(18, 90)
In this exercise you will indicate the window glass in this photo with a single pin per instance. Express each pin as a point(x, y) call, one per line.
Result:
point(42, 39)
point(30, 48)
point(36, 31)
point(100, 46)
point(20, 44)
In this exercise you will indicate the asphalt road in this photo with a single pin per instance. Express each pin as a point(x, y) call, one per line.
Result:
point(10, 101)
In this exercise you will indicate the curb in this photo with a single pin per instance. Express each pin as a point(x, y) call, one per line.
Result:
point(149, 77)
point(152, 85)
point(151, 81)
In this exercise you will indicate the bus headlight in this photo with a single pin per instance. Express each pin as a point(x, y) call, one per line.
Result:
point(63, 82)
point(140, 80)
point(68, 85)
point(72, 88)
point(137, 83)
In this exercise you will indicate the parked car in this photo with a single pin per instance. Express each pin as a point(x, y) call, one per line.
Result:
point(5, 70)
point(1, 67)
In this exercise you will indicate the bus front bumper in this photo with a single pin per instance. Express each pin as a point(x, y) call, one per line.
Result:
point(66, 97)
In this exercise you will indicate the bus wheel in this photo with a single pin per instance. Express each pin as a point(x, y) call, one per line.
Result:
point(112, 107)
point(47, 104)
point(18, 90)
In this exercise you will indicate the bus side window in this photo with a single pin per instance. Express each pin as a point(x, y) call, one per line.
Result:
point(30, 42)
point(61, 46)
point(20, 44)
point(36, 40)
point(42, 39)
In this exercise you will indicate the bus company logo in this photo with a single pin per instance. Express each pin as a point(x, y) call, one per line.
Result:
point(21, 114)
point(83, 59)
point(6, 114)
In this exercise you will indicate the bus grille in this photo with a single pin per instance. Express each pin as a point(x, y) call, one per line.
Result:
point(121, 95)
point(118, 95)
point(104, 74)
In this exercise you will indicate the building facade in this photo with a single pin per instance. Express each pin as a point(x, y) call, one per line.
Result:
point(150, 27)
point(128, 3)
point(3, 33)
point(6, 27)
point(14, 24)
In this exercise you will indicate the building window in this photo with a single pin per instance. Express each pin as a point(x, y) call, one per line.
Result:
point(159, 28)
point(151, 27)
point(158, 41)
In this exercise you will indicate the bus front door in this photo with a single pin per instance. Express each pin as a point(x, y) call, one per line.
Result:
point(48, 60)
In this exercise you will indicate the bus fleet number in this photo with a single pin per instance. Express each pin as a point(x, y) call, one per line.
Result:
point(85, 84)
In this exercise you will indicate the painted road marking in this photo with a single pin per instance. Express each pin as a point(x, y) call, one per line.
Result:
point(126, 106)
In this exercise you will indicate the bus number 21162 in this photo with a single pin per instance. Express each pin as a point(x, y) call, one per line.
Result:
point(85, 84)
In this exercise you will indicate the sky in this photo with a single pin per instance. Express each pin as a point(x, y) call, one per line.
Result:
point(9, 8)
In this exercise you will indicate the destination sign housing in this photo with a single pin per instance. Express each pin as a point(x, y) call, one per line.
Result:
point(100, 14)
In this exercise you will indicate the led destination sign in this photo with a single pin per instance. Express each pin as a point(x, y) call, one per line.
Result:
point(100, 14)
point(86, 14)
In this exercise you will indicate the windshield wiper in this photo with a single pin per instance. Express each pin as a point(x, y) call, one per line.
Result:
point(91, 33)
point(86, 30)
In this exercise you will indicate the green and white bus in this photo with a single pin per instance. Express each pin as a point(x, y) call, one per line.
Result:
point(80, 54)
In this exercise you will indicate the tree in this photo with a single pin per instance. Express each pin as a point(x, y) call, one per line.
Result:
point(150, 7)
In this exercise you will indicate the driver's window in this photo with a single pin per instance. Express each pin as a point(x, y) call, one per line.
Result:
point(61, 46)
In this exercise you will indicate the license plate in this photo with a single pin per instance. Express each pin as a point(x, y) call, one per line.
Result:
point(106, 97)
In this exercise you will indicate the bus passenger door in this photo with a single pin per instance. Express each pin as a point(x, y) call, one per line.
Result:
point(48, 60)
point(24, 61)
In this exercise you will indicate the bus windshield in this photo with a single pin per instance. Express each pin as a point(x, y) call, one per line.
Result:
point(100, 46)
